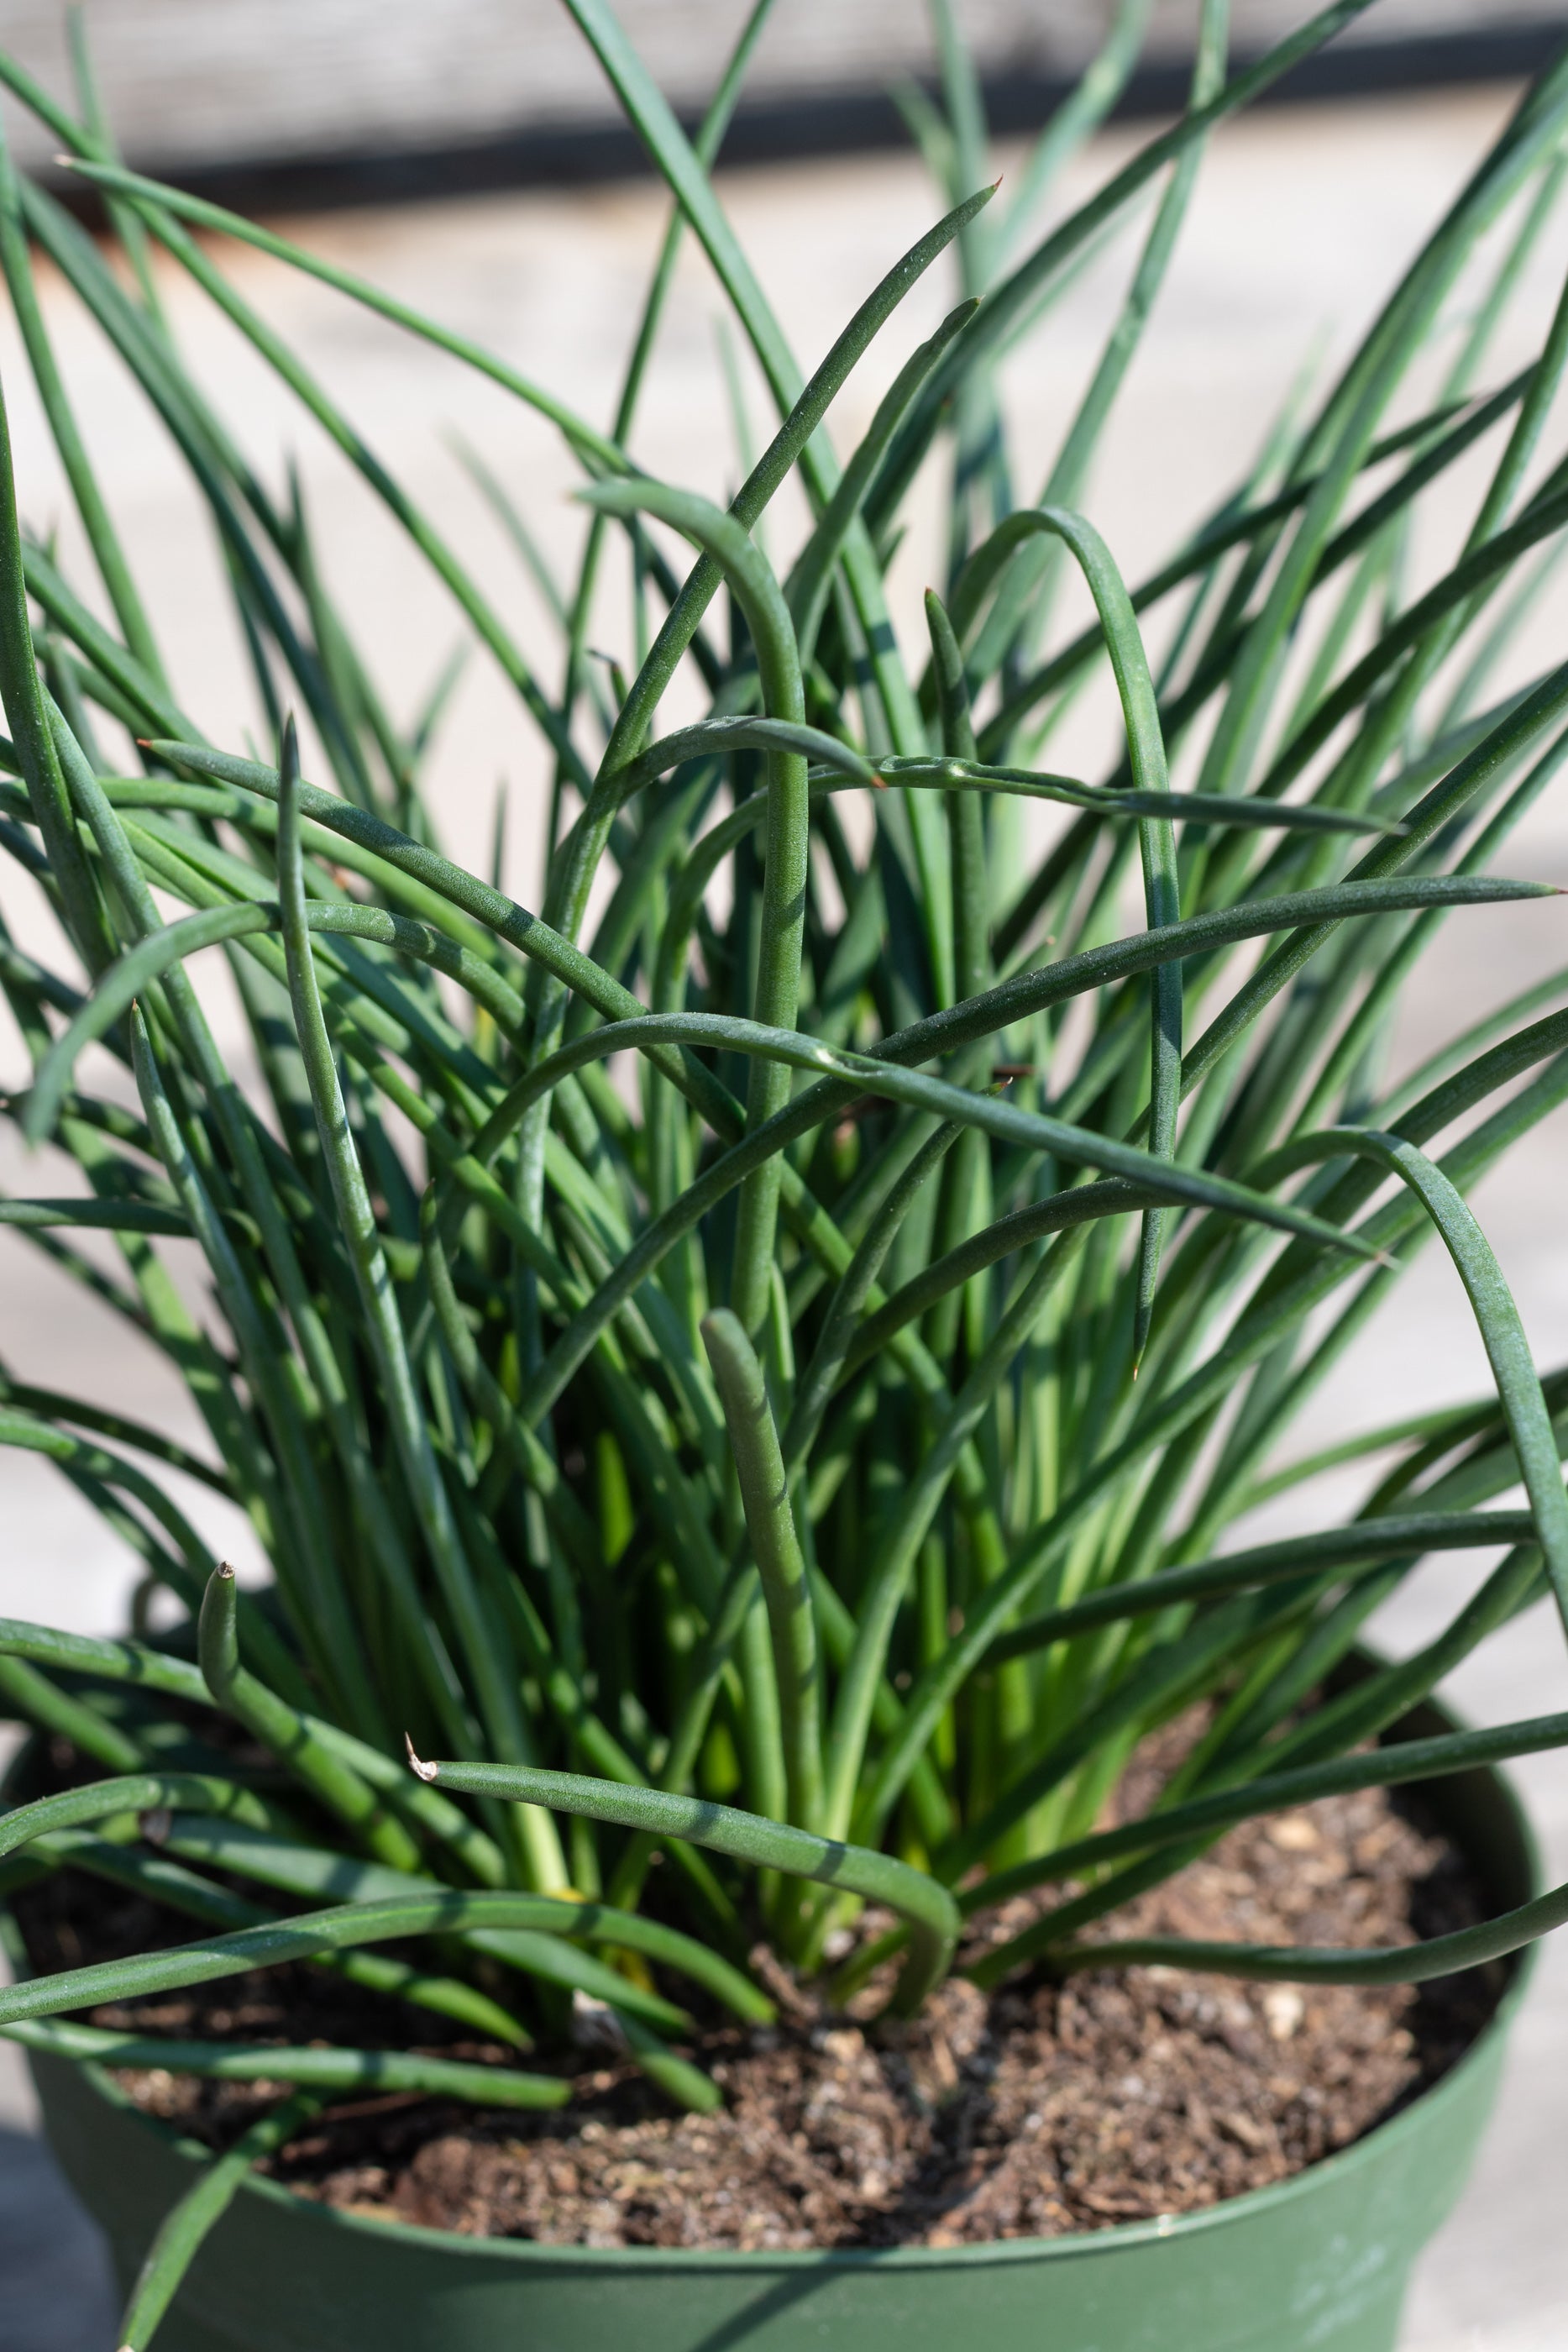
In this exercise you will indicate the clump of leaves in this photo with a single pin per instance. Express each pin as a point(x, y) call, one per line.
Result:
point(810, 1463)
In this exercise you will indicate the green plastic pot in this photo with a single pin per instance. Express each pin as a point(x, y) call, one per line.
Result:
point(1318, 2263)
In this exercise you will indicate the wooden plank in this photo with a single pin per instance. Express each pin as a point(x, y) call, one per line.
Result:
point(257, 89)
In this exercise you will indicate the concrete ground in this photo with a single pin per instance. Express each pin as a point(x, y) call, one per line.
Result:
point(1302, 223)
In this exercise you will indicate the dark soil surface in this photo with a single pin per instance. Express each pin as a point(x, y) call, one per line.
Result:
point(1041, 2109)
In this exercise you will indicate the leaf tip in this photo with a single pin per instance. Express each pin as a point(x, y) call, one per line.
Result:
point(425, 1771)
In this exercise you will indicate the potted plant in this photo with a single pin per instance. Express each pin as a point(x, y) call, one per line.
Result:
point(784, 1484)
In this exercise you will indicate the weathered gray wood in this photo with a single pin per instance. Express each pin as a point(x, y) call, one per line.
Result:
point(262, 80)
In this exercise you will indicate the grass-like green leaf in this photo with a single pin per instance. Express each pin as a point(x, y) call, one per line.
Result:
point(768, 1355)
point(765, 1845)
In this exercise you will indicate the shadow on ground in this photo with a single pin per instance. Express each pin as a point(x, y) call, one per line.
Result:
point(58, 2293)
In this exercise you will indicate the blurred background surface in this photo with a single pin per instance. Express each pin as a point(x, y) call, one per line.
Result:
point(342, 97)
point(1303, 220)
